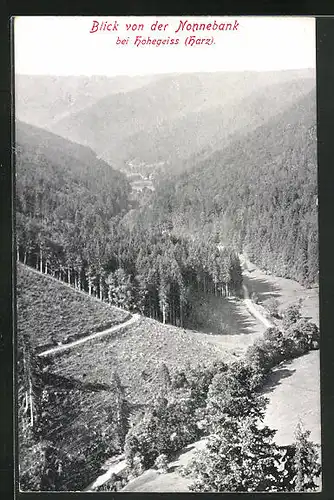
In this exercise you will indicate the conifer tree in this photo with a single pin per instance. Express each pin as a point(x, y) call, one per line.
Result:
point(121, 409)
point(307, 468)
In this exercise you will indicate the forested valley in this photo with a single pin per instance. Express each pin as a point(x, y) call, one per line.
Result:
point(69, 224)
point(79, 221)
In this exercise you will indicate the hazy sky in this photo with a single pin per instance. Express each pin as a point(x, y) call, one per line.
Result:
point(65, 46)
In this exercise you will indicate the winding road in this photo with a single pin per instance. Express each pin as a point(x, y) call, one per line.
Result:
point(70, 345)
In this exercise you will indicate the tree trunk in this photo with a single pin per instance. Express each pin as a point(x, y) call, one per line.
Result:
point(101, 288)
point(25, 257)
point(89, 283)
point(68, 276)
point(181, 313)
point(41, 260)
point(26, 403)
point(31, 403)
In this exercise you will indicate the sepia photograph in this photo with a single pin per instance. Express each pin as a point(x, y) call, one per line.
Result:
point(166, 239)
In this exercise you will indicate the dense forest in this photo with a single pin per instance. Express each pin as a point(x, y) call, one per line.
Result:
point(258, 195)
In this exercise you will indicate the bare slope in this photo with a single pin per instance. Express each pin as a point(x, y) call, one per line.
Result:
point(50, 312)
point(136, 353)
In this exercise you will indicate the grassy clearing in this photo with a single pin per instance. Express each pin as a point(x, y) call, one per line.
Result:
point(220, 316)
point(293, 390)
point(51, 312)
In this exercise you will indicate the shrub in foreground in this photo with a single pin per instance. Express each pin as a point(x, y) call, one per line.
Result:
point(161, 462)
point(162, 430)
point(291, 315)
point(272, 306)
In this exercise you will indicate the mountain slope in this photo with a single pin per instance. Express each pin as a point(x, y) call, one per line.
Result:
point(78, 398)
point(63, 194)
point(213, 127)
point(259, 194)
point(42, 100)
point(168, 116)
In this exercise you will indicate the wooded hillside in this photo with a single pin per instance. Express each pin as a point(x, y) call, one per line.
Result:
point(66, 204)
point(259, 195)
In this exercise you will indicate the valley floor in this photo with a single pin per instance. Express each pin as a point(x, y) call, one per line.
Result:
point(286, 291)
point(293, 388)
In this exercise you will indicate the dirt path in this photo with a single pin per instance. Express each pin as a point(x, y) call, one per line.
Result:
point(253, 310)
point(115, 328)
point(153, 481)
point(113, 469)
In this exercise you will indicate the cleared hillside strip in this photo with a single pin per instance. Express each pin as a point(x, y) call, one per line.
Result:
point(52, 312)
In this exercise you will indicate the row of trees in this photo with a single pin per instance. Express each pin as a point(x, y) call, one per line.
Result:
point(153, 273)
